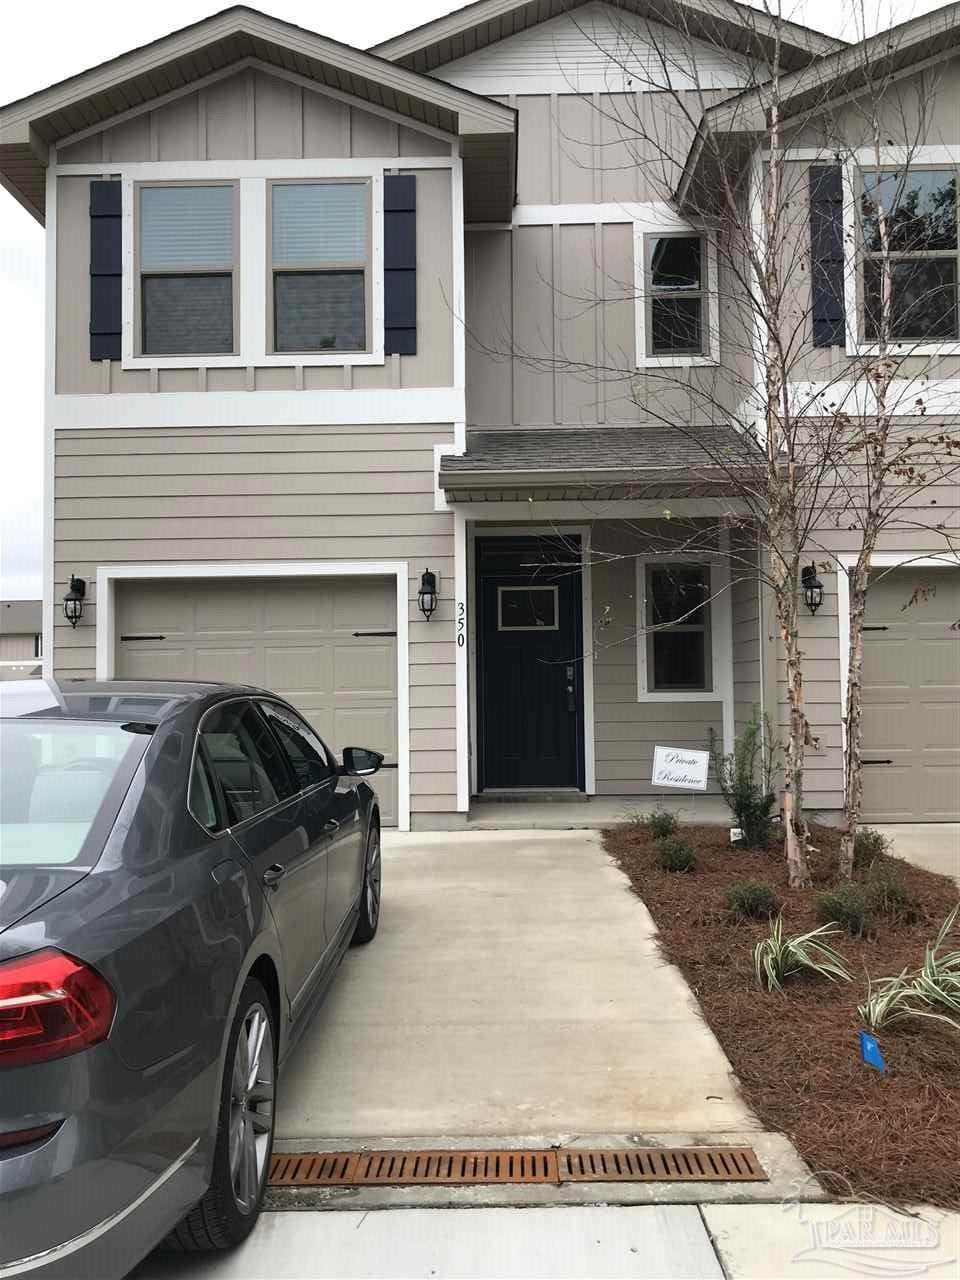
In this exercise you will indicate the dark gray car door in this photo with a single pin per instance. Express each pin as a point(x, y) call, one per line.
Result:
point(270, 819)
point(337, 798)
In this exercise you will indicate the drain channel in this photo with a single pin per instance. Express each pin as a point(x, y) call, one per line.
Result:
point(459, 1168)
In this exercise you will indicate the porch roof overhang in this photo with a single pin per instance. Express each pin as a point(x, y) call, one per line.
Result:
point(114, 90)
point(599, 463)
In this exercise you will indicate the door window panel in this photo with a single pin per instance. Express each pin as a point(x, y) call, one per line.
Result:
point(246, 760)
point(307, 755)
point(527, 609)
point(201, 799)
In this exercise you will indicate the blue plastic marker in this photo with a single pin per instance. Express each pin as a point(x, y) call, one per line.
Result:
point(870, 1052)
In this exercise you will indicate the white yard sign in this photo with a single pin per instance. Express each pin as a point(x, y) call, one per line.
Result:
point(678, 767)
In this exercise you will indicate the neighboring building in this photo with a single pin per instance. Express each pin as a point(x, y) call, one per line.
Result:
point(304, 346)
point(21, 625)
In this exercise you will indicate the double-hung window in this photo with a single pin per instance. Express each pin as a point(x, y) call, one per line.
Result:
point(678, 641)
point(676, 312)
point(921, 211)
point(320, 266)
point(187, 269)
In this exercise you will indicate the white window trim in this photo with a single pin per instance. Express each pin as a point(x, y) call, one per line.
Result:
point(109, 575)
point(721, 632)
point(253, 258)
point(712, 355)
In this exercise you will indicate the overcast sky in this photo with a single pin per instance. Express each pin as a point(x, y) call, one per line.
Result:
point(77, 36)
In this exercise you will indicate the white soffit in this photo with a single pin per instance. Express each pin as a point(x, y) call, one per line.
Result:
point(597, 49)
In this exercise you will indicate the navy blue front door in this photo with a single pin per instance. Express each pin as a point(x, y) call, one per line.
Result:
point(530, 662)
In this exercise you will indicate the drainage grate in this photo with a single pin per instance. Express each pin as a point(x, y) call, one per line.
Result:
point(452, 1168)
point(679, 1164)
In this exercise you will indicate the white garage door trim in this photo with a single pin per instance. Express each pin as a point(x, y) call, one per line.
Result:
point(879, 560)
point(108, 576)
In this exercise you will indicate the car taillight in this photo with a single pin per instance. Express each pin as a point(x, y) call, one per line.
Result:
point(50, 1005)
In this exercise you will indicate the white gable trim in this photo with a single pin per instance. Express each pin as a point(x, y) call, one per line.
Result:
point(596, 49)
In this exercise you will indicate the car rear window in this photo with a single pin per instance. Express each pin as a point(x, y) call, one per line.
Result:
point(54, 777)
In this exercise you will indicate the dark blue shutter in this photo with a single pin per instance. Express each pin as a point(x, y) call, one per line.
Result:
point(400, 264)
point(826, 256)
point(106, 270)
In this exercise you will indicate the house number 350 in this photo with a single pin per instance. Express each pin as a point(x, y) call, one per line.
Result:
point(461, 624)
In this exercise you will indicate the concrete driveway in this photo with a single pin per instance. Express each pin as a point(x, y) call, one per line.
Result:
point(935, 846)
point(515, 988)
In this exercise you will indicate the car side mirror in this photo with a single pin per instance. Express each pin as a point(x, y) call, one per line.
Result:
point(361, 762)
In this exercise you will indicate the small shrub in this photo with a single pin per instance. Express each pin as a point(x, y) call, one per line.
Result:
point(886, 892)
point(745, 779)
point(752, 900)
point(868, 846)
point(776, 959)
point(661, 823)
point(932, 991)
point(674, 854)
point(847, 905)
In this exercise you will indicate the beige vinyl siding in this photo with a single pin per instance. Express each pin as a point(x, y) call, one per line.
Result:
point(603, 147)
point(253, 115)
point(745, 602)
point(14, 647)
point(551, 334)
point(258, 494)
point(626, 731)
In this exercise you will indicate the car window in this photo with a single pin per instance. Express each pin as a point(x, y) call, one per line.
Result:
point(246, 760)
point(201, 799)
point(308, 756)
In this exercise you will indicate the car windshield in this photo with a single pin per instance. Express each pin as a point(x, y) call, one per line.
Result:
point(54, 776)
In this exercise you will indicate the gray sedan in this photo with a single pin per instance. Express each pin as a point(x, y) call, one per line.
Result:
point(182, 867)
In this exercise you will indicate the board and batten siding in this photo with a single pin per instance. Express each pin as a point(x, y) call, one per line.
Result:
point(255, 116)
point(626, 731)
point(259, 494)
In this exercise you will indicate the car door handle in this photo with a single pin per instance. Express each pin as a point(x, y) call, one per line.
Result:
point(331, 824)
point(273, 875)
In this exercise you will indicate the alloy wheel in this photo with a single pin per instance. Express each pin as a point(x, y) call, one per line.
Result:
point(373, 877)
point(252, 1090)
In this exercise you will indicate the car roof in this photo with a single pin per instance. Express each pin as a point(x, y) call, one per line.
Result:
point(145, 701)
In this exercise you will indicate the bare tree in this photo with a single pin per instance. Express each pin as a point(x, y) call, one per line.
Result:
point(824, 446)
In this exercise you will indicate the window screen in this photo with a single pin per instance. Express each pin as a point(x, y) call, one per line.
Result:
point(186, 270)
point(320, 263)
point(676, 295)
point(678, 650)
point(921, 211)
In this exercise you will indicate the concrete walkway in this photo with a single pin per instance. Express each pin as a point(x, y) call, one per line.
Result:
point(515, 988)
point(656, 1242)
point(935, 846)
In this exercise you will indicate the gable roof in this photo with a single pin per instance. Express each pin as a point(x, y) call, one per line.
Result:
point(738, 122)
point(104, 93)
point(736, 26)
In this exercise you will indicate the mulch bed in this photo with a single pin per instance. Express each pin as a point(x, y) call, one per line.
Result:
point(893, 1137)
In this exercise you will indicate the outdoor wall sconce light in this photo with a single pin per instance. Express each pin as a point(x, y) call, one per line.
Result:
point(812, 587)
point(427, 595)
point(73, 600)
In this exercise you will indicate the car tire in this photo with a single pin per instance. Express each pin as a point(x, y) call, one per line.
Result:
point(369, 918)
point(241, 1160)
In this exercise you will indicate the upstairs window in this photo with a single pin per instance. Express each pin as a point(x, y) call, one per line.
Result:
point(921, 210)
point(187, 268)
point(676, 292)
point(678, 605)
point(320, 264)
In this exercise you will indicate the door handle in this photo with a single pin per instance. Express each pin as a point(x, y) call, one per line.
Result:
point(571, 699)
point(331, 824)
point(273, 875)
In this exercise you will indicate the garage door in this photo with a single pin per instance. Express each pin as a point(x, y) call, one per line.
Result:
point(911, 697)
point(328, 645)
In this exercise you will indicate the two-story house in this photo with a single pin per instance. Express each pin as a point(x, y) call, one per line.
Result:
point(336, 398)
